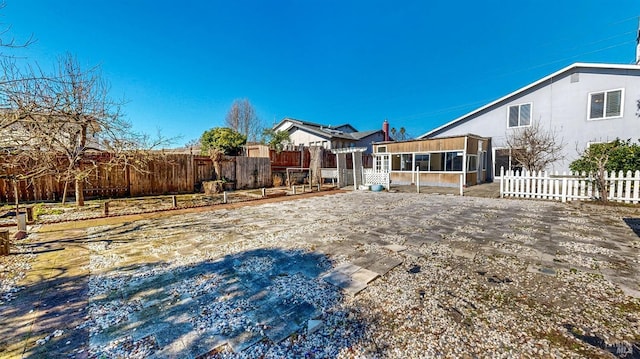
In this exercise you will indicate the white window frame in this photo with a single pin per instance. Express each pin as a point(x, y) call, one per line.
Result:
point(520, 105)
point(381, 162)
point(604, 109)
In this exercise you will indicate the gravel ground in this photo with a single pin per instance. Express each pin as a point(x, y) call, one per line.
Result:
point(56, 212)
point(467, 290)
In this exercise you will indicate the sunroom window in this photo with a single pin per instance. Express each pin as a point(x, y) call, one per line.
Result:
point(401, 162)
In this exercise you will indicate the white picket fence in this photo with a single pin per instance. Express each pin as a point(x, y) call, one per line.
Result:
point(568, 187)
point(370, 176)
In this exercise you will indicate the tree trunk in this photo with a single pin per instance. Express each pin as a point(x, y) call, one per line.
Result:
point(217, 168)
point(217, 157)
point(79, 193)
point(64, 191)
point(602, 183)
point(315, 163)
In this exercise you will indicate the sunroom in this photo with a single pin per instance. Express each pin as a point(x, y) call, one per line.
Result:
point(444, 161)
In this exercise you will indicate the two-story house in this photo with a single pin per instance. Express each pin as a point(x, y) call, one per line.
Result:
point(582, 104)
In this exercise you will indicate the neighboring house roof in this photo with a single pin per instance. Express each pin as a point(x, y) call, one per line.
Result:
point(327, 131)
point(572, 67)
point(363, 134)
point(299, 122)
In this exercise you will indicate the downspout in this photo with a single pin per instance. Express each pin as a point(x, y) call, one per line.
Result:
point(464, 160)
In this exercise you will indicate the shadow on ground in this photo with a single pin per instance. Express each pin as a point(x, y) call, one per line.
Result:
point(263, 300)
point(634, 224)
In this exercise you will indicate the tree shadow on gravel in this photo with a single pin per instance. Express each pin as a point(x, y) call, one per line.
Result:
point(270, 302)
point(619, 350)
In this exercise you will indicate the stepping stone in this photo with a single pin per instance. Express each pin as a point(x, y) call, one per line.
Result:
point(532, 268)
point(464, 253)
point(314, 325)
point(243, 340)
point(414, 254)
point(366, 260)
point(384, 264)
point(354, 287)
point(395, 247)
point(360, 237)
point(175, 349)
point(415, 241)
point(338, 279)
point(347, 268)
point(300, 313)
point(364, 275)
point(350, 278)
point(205, 344)
point(280, 330)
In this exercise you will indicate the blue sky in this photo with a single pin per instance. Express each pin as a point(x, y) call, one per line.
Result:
point(420, 64)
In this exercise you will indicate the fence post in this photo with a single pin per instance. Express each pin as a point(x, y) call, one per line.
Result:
point(264, 192)
point(224, 197)
point(318, 187)
point(174, 201)
point(501, 182)
point(294, 189)
point(564, 189)
point(21, 218)
point(462, 184)
point(4, 242)
point(418, 179)
point(29, 214)
point(105, 208)
point(627, 188)
point(619, 185)
point(636, 187)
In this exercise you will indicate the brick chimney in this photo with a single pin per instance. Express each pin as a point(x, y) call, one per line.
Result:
point(385, 130)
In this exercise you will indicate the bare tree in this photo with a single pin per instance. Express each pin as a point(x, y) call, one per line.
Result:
point(24, 157)
point(69, 114)
point(534, 147)
point(242, 118)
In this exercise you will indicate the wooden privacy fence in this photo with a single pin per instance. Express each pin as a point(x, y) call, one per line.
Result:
point(174, 173)
point(252, 172)
point(282, 160)
point(622, 187)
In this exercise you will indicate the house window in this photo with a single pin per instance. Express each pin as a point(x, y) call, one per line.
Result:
point(381, 149)
point(401, 162)
point(472, 163)
point(422, 162)
point(520, 115)
point(606, 104)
